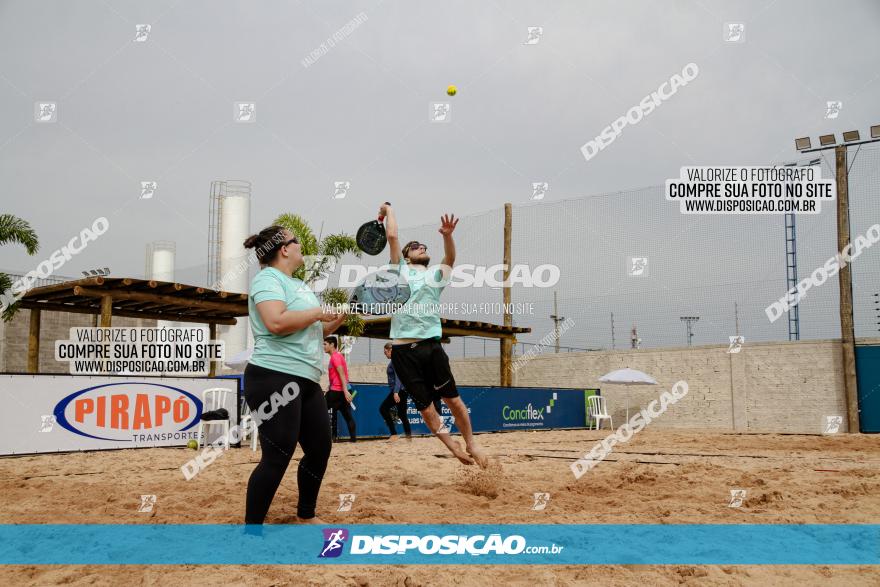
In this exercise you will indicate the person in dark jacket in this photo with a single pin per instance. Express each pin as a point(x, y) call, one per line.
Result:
point(397, 397)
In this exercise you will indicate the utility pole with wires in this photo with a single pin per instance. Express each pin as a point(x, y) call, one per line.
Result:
point(556, 320)
point(736, 316)
point(689, 320)
point(613, 343)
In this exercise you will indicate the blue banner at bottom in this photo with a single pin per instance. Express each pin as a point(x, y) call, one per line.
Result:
point(530, 544)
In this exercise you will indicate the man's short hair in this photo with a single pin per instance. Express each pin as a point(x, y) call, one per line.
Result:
point(408, 246)
point(332, 340)
point(388, 346)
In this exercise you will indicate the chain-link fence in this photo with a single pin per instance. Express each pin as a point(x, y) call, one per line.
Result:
point(631, 266)
point(634, 255)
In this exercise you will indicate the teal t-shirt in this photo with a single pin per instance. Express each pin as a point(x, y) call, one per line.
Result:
point(419, 317)
point(298, 353)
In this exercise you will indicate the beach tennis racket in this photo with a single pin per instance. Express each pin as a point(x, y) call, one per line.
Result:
point(380, 292)
point(371, 237)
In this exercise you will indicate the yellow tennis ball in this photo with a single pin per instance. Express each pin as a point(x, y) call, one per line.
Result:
point(451, 90)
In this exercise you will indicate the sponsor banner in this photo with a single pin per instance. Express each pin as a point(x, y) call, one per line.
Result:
point(50, 413)
point(495, 544)
point(491, 409)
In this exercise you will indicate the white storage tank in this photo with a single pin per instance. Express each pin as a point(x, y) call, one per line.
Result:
point(231, 225)
point(160, 266)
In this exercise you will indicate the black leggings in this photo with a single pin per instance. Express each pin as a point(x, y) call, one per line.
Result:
point(385, 411)
point(303, 420)
point(336, 402)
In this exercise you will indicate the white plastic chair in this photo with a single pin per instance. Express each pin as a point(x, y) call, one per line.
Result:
point(599, 411)
point(214, 399)
point(248, 426)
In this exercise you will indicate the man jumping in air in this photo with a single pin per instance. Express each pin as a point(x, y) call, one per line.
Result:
point(417, 355)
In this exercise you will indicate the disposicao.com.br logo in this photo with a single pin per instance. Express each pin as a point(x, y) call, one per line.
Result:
point(334, 542)
point(451, 544)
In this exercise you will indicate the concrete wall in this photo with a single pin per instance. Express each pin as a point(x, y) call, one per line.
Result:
point(53, 326)
point(766, 387)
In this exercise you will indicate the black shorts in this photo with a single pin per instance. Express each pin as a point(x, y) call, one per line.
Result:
point(423, 368)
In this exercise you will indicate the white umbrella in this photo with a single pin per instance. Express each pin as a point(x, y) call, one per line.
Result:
point(240, 360)
point(628, 377)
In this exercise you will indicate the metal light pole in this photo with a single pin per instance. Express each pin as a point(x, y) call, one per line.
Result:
point(847, 332)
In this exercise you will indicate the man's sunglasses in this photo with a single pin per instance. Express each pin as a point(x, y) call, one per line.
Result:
point(414, 246)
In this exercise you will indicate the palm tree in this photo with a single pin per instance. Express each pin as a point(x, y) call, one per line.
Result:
point(318, 260)
point(15, 230)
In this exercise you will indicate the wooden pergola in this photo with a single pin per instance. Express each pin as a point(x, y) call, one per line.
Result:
point(381, 328)
point(131, 298)
point(105, 297)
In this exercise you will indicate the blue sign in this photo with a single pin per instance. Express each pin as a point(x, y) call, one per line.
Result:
point(868, 376)
point(491, 409)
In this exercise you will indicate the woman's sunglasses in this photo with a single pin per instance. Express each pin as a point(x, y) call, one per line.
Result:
point(280, 245)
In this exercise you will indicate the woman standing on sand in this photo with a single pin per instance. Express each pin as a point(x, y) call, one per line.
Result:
point(289, 327)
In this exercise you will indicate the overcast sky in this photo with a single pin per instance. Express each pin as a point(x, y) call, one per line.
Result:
point(163, 109)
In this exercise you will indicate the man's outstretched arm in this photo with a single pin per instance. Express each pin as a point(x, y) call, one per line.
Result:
point(447, 226)
point(391, 232)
